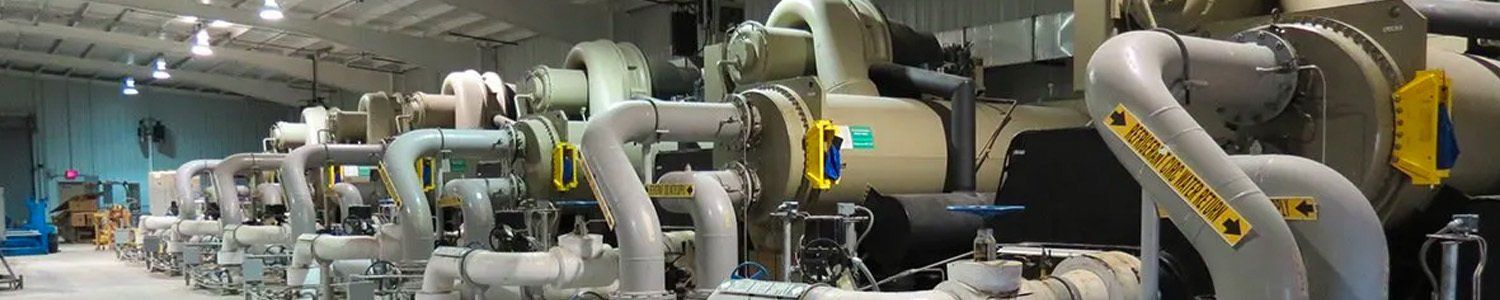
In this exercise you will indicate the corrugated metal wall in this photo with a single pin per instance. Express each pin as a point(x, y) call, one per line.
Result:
point(90, 126)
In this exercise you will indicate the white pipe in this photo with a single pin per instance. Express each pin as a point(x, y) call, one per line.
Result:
point(390, 238)
point(399, 162)
point(610, 79)
point(316, 120)
point(186, 192)
point(288, 134)
point(560, 267)
point(270, 193)
point(298, 188)
point(716, 230)
point(154, 223)
point(229, 206)
point(839, 41)
point(198, 228)
point(635, 219)
point(1130, 69)
point(1344, 249)
point(240, 237)
point(478, 208)
point(321, 249)
point(468, 87)
point(349, 196)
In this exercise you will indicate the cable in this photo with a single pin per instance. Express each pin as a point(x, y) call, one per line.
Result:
point(868, 227)
point(909, 272)
point(1187, 91)
point(1427, 270)
point(1479, 268)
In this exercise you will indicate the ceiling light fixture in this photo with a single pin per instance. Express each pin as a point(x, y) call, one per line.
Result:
point(219, 24)
point(200, 44)
point(129, 87)
point(187, 19)
point(271, 11)
point(160, 72)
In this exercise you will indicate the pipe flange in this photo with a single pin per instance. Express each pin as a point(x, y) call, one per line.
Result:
point(463, 269)
point(748, 181)
point(749, 120)
point(1284, 79)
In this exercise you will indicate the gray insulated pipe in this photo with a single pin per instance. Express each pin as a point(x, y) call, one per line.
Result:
point(400, 164)
point(621, 192)
point(1132, 70)
point(960, 125)
point(478, 206)
point(1344, 249)
point(229, 207)
point(715, 229)
point(187, 192)
point(294, 176)
point(1466, 18)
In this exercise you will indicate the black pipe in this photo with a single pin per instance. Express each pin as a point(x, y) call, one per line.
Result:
point(1465, 18)
point(960, 90)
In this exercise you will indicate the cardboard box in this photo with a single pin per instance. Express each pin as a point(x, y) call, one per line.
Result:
point(85, 204)
point(81, 219)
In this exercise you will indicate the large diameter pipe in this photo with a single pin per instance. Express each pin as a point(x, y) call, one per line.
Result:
point(270, 193)
point(623, 193)
point(558, 267)
point(400, 163)
point(187, 193)
point(840, 36)
point(1344, 249)
point(1465, 18)
point(478, 209)
point(1131, 69)
point(714, 224)
point(961, 124)
point(612, 72)
point(319, 249)
point(298, 188)
point(349, 196)
point(229, 206)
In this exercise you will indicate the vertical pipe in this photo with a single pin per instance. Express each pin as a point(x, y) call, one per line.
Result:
point(960, 90)
point(294, 176)
point(786, 247)
point(417, 227)
point(1449, 289)
point(229, 208)
point(1150, 248)
point(187, 193)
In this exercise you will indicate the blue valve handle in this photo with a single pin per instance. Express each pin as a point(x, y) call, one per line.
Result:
point(986, 211)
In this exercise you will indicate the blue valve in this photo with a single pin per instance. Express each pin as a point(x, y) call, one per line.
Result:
point(833, 166)
point(986, 211)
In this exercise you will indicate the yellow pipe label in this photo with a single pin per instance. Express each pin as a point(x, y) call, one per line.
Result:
point(1226, 221)
point(670, 191)
point(1297, 208)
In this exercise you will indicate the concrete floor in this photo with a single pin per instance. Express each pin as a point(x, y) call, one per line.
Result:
point(80, 272)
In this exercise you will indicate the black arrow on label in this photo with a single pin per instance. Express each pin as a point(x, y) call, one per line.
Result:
point(1306, 208)
point(1232, 227)
point(1117, 118)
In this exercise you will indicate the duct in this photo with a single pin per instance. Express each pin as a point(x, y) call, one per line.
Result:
point(186, 191)
point(468, 87)
point(270, 193)
point(623, 194)
point(576, 262)
point(715, 227)
point(316, 118)
point(847, 37)
point(229, 208)
point(1345, 249)
point(478, 208)
point(323, 249)
point(399, 162)
point(1466, 18)
point(960, 90)
point(1130, 69)
point(349, 196)
point(294, 175)
point(1476, 112)
point(618, 70)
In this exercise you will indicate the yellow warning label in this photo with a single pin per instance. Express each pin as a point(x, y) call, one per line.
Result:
point(1204, 200)
point(666, 190)
point(588, 176)
point(1297, 208)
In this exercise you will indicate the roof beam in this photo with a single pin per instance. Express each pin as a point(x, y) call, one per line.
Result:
point(336, 75)
point(265, 90)
point(431, 53)
point(556, 19)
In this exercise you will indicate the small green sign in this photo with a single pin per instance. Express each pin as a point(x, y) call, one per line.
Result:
point(458, 165)
point(862, 137)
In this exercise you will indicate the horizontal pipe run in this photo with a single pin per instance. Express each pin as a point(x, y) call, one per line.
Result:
point(1465, 18)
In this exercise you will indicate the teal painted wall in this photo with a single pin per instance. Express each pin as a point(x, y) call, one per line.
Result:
point(88, 125)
